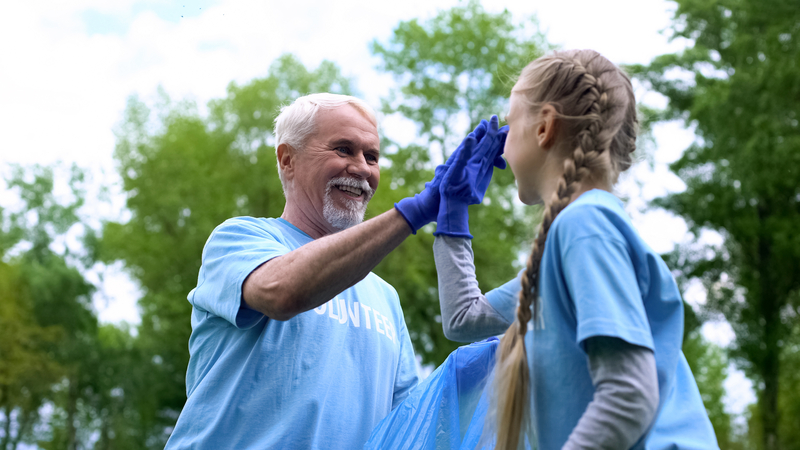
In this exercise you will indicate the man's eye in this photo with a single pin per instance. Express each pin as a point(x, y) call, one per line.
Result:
point(344, 150)
point(372, 158)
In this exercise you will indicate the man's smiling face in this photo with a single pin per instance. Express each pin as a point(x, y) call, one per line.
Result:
point(337, 170)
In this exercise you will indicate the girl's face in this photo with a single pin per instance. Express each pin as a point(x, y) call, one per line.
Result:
point(522, 151)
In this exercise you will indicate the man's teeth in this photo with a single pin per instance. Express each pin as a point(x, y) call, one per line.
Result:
point(352, 190)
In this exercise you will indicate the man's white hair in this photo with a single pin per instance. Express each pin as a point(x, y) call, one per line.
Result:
point(297, 122)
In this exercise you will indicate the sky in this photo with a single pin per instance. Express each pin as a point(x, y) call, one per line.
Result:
point(67, 69)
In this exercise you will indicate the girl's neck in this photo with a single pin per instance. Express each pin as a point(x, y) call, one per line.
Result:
point(554, 171)
point(587, 186)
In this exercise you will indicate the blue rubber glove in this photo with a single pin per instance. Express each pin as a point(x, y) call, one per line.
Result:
point(422, 208)
point(467, 179)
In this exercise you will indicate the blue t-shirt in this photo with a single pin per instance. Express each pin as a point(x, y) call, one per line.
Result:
point(599, 278)
point(321, 380)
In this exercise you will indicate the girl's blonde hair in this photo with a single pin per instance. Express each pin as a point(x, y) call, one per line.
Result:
point(596, 114)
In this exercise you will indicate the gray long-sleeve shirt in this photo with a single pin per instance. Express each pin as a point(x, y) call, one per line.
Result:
point(624, 375)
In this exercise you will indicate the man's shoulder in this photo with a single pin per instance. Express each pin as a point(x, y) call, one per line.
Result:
point(248, 222)
point(242, 232)
point(258, 226)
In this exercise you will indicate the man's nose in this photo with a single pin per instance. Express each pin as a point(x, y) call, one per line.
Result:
point(359, 167)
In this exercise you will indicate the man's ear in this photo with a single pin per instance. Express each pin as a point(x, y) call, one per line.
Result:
point(286, 160)
point(547, 129)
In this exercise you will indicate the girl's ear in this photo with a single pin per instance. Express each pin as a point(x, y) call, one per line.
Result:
point(547, 129)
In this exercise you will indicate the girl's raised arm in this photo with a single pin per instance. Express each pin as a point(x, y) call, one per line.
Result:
point(467, 315)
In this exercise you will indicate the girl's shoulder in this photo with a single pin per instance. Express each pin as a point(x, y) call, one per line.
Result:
point(595, 214)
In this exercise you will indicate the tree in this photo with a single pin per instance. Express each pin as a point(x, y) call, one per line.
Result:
point(47, 303)
point(120, 391)
point(709, 365)
point(739, 89)
point(453, 70)
point(27, 372)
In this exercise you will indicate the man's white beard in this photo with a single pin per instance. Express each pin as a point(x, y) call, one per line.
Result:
point(354, 210)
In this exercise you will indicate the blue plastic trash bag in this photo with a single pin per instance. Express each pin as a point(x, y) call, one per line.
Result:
point(447, 411)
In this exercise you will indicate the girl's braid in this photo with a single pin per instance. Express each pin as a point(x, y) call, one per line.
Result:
point(584, 158)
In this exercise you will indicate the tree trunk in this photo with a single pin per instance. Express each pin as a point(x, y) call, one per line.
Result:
point(27, 418)
point(21, 429)
point(104, 443)
point(6, 428)
point(770, 311)
point(72, 408)
point(769, 411)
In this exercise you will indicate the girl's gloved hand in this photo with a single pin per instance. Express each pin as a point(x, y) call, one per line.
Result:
point(466, 180)
point(422, 208)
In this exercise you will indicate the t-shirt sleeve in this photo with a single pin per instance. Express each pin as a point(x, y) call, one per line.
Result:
point(232, 252)
point(603, 285)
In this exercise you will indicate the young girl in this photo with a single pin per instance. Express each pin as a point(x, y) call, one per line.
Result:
point(592, 357)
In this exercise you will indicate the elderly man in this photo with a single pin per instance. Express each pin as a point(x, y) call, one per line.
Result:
point(295, 344)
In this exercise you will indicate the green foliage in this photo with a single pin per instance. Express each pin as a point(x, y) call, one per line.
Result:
point(53, 355)
point(49, 325)
point(462, 62)
point(27, 370)
point(122, 392)
point(709, 364)
point(738, 87)
point(710, 368)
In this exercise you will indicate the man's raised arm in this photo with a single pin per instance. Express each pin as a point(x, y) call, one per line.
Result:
point(311, 275)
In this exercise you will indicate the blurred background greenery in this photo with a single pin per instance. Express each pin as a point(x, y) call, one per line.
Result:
point(68, 381)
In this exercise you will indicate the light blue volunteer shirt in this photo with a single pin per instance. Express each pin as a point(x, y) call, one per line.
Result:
point(321, 380)
point(599, 278)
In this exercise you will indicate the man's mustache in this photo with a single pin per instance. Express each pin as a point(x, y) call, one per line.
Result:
point(355, 183)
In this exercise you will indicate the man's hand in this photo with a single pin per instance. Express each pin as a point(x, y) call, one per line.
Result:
point(466, 180)
point(422, 208)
